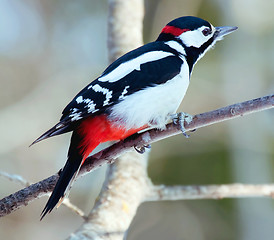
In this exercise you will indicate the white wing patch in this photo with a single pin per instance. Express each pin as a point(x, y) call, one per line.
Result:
point(75, 115)
point(79, 99)
point(127, 67)
point(105, 91)
point(90, 105)
point(123, 93)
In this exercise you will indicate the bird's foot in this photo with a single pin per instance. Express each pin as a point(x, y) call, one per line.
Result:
point(142, 149)
point(179, 119)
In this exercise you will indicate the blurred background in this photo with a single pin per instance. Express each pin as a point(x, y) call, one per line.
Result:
point(49, 50)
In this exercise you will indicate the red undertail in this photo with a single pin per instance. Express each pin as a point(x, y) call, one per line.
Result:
point(89, 134)
point(98, 130)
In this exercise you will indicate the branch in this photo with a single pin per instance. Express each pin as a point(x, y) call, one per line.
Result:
point(74, 208)
point(15, 178)
point(26, 195)
point(172, 193)
point(108, 155)
point(124, 189)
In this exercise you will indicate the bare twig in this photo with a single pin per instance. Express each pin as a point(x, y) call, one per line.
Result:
point(163, 193)
point(26, 195)
point(74, 208)
point(19, 179)
point(15, 178)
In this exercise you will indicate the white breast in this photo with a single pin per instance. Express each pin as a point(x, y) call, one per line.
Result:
point(152, 105)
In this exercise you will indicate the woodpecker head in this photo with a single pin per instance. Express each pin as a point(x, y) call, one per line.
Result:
point(195, 35)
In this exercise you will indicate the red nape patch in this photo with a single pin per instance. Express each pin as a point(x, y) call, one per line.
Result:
point(99, 129)
point(174, 30)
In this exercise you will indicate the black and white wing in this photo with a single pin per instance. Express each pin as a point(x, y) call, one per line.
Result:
point(150, 65)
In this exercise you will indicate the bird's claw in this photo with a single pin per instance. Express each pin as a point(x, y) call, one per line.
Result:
point(142, 149)
point(179, 119)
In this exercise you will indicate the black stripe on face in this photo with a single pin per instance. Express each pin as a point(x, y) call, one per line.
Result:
point(193, 53)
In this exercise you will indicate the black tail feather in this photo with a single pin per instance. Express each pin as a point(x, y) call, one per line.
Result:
point(63, 184)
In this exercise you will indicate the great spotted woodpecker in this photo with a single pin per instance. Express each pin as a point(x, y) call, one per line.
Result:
point(139, 90)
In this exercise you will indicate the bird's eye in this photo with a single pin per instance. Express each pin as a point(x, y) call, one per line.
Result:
point(207, 31)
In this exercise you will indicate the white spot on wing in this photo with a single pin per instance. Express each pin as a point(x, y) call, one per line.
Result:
point(75, 115)
point(59, 125)
point(74, 110)
point(79, 99)
point(123, 93)
point(90, 105)
point(105, 91)
point(125, 68)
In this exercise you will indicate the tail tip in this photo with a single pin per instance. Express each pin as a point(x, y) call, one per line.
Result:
point(36, 141)
point(45, 211)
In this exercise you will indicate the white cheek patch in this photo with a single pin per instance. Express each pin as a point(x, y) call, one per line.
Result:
point(195, 38)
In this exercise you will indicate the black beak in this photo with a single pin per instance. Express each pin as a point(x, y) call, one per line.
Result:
point(222, 31)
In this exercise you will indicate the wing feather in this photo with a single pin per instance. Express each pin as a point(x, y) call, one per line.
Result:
point(146, 70)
